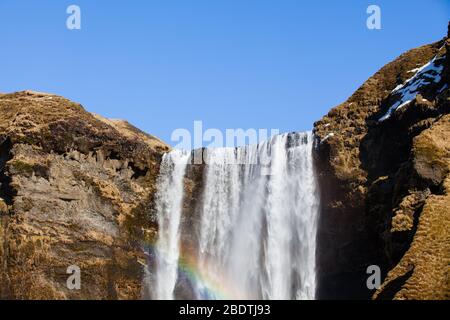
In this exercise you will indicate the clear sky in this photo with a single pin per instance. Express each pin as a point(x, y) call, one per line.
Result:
point(161, 64)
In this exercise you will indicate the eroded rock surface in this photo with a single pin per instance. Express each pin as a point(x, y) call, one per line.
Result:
point(75, 190)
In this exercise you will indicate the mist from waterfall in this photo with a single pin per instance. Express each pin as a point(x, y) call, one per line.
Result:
point(257, 219)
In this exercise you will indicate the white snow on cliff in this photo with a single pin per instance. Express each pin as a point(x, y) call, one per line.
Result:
point(328, 136)
point(407, 92)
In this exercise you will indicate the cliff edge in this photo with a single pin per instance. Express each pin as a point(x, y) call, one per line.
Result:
point(74, 191)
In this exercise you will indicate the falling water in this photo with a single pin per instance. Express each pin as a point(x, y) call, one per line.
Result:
point(168, 204)
point(257, 225)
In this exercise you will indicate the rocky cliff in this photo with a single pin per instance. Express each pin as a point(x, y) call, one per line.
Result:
point(75, 189)
point(383, 159)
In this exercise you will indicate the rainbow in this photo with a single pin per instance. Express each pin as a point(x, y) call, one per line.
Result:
point(212, 288)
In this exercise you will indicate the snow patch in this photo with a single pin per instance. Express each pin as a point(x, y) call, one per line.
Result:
point(328, 136)
point(407, 92)
point(414, 70)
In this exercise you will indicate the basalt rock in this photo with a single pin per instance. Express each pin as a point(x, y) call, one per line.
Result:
point(74, 190)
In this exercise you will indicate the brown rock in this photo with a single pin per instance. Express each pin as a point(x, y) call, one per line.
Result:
point(78, 187)
point(3, 207)
point(423, 272)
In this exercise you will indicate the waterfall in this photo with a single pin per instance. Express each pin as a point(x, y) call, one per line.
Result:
point(256, 231)
point(168, 204)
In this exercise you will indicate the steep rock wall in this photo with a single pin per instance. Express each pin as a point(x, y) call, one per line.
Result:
point(384, 182)
point(75, 190)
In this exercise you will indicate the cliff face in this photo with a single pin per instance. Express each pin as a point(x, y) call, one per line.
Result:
point(383, 159)
point(75, 189)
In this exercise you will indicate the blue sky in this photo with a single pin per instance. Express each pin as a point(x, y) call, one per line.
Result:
point(161, 65)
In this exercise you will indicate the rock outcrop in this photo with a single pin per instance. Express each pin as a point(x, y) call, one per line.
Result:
point(75, 189)
point(383, 163)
